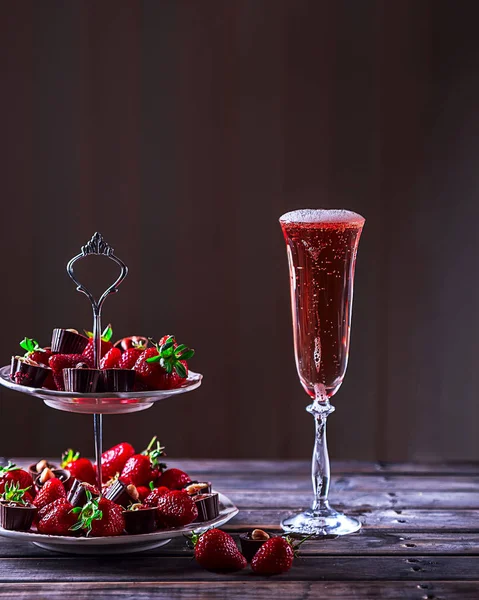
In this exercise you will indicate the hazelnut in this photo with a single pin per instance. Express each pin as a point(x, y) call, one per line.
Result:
point(194, 488)
point(132, 491)
point(43, 464)
point(259, 534)
point(136, 506)
point(46, 475)
point(72, 330)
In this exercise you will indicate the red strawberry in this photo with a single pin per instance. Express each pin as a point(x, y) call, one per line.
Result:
point(142, 468)
point(80, 468)
point(130, 356)
point(176, 509)
point(165, 338)
point(154, 495)
point(106, 345)
point(59, 519)
point(114, 459)
point(163, 366)
point(133, 341)
point(14, 474)
point(216, 550)
point(111, 359)
point(100, 517)
point(275, 556)
point(173, 479)
point(13, 493)
point(52, 490)
point(143, 493)
point(34, 352)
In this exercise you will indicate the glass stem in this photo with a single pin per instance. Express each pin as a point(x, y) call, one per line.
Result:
point(320, 469)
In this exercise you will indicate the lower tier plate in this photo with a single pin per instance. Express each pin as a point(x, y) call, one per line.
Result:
point(122, 544)
point(105, 404)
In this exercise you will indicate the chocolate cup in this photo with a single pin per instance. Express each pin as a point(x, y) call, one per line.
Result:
point(118, 380)
point(249, 547)
point(17, 517)
point(140, 521)
point(30, 375)
point(118, 493)
point(208, 507)
point(84, 381)
point(32, 469)
point(77, 494)
point(206, 489)
point(62, 474)
point(68, 342)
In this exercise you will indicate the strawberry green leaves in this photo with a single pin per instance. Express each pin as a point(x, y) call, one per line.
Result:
point(87, 514)
point(69, 456)
point(13, 493)
point(8, 468)
point(30, 345)
point(170, 356)
point(105, 336)
point(155, 451)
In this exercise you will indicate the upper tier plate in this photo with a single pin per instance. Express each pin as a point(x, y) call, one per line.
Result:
point(110, 403)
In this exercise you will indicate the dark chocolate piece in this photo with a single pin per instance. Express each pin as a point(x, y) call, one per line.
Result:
point(85, 381)
point(62, 474)
point(118, 380)
point(142, 520)
point(29, 373)
point(249, 546)
point(13, 367)
point(194, 488)
point(208, 507)
point(68, 342)
point(17, 517)
point(121, 493)
point(77, 494)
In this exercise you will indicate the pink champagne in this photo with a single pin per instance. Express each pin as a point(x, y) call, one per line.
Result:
point(322, 247)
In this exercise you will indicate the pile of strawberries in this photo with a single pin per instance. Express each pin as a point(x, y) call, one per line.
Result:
point(150, 482)
point(158, 365)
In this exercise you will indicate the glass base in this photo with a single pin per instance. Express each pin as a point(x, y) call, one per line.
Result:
point(320, 523)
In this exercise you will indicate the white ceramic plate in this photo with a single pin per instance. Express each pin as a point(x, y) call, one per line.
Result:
point(110, 403)
point(121, 544)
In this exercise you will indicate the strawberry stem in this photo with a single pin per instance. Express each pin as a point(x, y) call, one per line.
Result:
point(9, 468)
point(13, 493)
point(69, 456)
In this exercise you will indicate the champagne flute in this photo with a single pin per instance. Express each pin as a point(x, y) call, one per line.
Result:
point(321, 246)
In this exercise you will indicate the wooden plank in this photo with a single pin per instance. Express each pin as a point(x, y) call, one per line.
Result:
point(366, 542)
point(346, 499)
point(337, 568)
point(360, 483)
point(254, 588)
point(395, 520)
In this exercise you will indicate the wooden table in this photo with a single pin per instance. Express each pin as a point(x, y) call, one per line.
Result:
point(420, 540)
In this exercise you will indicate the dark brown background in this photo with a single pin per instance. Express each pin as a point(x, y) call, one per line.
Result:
point(182, 130)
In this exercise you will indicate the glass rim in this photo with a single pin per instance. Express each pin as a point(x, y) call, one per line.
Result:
point(327, 216)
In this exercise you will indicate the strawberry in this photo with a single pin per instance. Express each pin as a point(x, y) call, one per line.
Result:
point(176, 509)
point(142, 468)
point(58, 518)
point(275, 556)
point(129, 357)
point(106, 345)
point(99, 517)
point(154, 495)
point(111, 359)
point(133, 341)
point(13, 474)
point(52, 490)
point(34, 352)
point(163, 366)
point(14, 494)
point(216, 550)
point(114, 459)
point(143, 493)
point(80, 468)
point(173, 479)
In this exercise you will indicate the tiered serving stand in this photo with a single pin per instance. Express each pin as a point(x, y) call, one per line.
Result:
point(98, 405)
